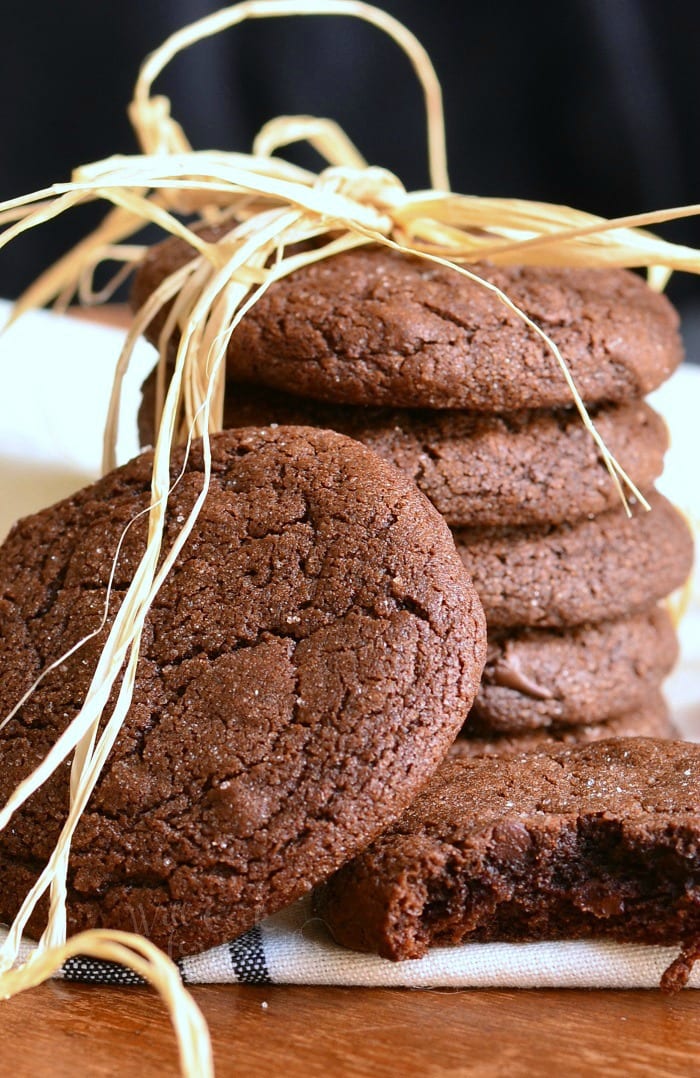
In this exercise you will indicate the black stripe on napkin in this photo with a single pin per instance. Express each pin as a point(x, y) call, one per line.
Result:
point(248, 958)
point(98, 971)
point(247, 961)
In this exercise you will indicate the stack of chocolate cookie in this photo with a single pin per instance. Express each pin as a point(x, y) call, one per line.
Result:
point(438, 376)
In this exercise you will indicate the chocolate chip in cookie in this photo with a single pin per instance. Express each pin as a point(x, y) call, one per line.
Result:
point(537, 678)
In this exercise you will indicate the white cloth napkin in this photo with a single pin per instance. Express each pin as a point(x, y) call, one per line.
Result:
point(295, 948)
point(56, 377)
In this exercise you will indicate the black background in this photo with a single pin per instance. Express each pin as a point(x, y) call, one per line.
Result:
point(593, 103)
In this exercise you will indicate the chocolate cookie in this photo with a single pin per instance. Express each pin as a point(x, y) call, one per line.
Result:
point(529, 467)
point(590, 571)
point(600, 840)
point(371, 326)
point(536, 678)
point(303, 671)
point(650, 719)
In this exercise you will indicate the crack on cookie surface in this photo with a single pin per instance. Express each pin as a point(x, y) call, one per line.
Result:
point(302, 671)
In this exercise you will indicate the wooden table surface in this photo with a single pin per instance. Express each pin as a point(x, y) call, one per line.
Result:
point(62, 1029)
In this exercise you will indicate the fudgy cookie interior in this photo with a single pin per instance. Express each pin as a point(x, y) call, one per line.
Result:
point(599, 840)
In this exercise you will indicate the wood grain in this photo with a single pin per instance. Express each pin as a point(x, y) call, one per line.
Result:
point(312, 1032)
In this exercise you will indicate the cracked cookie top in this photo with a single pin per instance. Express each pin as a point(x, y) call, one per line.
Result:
point(303, 671)
point(371, 326)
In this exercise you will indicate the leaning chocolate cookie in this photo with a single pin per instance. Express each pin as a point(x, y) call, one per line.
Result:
point(537, 678)
point(371, 326)
point(530, 467)
point(596, 841)
point(573, 574)
point(303, 671)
